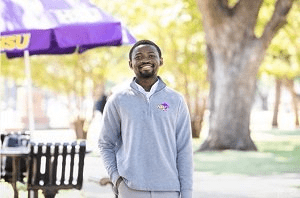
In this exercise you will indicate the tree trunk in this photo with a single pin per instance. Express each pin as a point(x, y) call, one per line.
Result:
point(264, 105)
point(290, 85)
point(232, 92)
point(264, 99)
point(295, 110)
point(197, 116)
point(234, 55)
point(80, 129)
point(277, 103)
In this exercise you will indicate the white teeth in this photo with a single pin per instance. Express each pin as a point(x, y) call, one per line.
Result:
point(147, 67)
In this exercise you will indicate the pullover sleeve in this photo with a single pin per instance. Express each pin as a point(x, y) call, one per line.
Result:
point(110, 139)
point(184, 151)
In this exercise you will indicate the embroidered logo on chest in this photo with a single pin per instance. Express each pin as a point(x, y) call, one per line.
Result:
point(164, 106)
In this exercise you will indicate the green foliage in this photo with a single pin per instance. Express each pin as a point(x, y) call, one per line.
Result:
point(12, 68)
point(283, 56)
point(264, 15)
point(177, 28)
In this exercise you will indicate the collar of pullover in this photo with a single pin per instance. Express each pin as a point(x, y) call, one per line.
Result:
point(159, 87)
point(147, 93)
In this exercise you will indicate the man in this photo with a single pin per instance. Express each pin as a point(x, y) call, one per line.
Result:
point(99, 106)
point(146, 141)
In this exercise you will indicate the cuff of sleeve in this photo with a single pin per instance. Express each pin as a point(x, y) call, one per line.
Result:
point(186, 194)
point(114, 177)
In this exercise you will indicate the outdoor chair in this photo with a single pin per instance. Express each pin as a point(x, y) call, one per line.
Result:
point(55, 167)
point(13, 140)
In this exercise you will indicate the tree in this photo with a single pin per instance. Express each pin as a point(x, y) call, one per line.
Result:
point(234, 54)
point(282, 62)
point(78, 77)
point(182, 41)
point(262, 89)
point(13, 68)
point(175, 28)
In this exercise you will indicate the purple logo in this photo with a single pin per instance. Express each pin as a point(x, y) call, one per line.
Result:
point(164, 106)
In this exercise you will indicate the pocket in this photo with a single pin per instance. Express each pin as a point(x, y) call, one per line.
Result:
point(117, 186)
point(119, 181)
point(121, 185)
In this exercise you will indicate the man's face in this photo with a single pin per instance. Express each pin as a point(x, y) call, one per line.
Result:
point(145, 61)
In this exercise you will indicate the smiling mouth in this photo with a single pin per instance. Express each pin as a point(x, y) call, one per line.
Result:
point(146, 67)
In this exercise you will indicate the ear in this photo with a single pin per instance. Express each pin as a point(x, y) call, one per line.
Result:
point(130, 64)
point(161, 61)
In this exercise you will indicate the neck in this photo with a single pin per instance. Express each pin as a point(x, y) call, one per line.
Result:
point(146, 83)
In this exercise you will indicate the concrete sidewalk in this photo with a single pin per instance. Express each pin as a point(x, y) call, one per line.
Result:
point(205, 184)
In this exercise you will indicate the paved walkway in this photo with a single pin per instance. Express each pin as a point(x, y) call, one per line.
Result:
point(207, 185)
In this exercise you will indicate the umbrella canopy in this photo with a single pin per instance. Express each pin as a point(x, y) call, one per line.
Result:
point(57, 27)
point(33, 27)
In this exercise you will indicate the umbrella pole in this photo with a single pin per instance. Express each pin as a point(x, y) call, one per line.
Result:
point(1, 126)
point(29, 91)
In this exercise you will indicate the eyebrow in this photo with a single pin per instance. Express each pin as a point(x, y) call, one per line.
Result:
point(142, 53)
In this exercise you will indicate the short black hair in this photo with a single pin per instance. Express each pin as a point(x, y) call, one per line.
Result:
point(144, 42)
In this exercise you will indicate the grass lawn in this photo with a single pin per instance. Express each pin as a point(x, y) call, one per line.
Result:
point(278, 153)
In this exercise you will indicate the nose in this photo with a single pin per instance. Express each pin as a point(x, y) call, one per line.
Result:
point(145, 60)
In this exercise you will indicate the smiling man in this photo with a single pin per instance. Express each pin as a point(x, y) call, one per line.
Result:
point(145, 139)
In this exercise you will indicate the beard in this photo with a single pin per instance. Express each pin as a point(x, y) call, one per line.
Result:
point(147, 74)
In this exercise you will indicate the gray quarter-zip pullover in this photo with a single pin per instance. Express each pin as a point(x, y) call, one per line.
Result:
point(148, 142)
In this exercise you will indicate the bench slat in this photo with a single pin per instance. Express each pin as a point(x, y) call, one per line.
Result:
point(48, 162)
point(38, 165)
point(72, 163)
point(63, 172)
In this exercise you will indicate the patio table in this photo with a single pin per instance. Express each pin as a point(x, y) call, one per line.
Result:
point(16, 153)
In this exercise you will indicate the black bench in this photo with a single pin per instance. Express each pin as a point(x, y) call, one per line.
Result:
point(55, 167)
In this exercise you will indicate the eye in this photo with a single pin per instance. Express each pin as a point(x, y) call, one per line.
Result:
point(137, 58)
